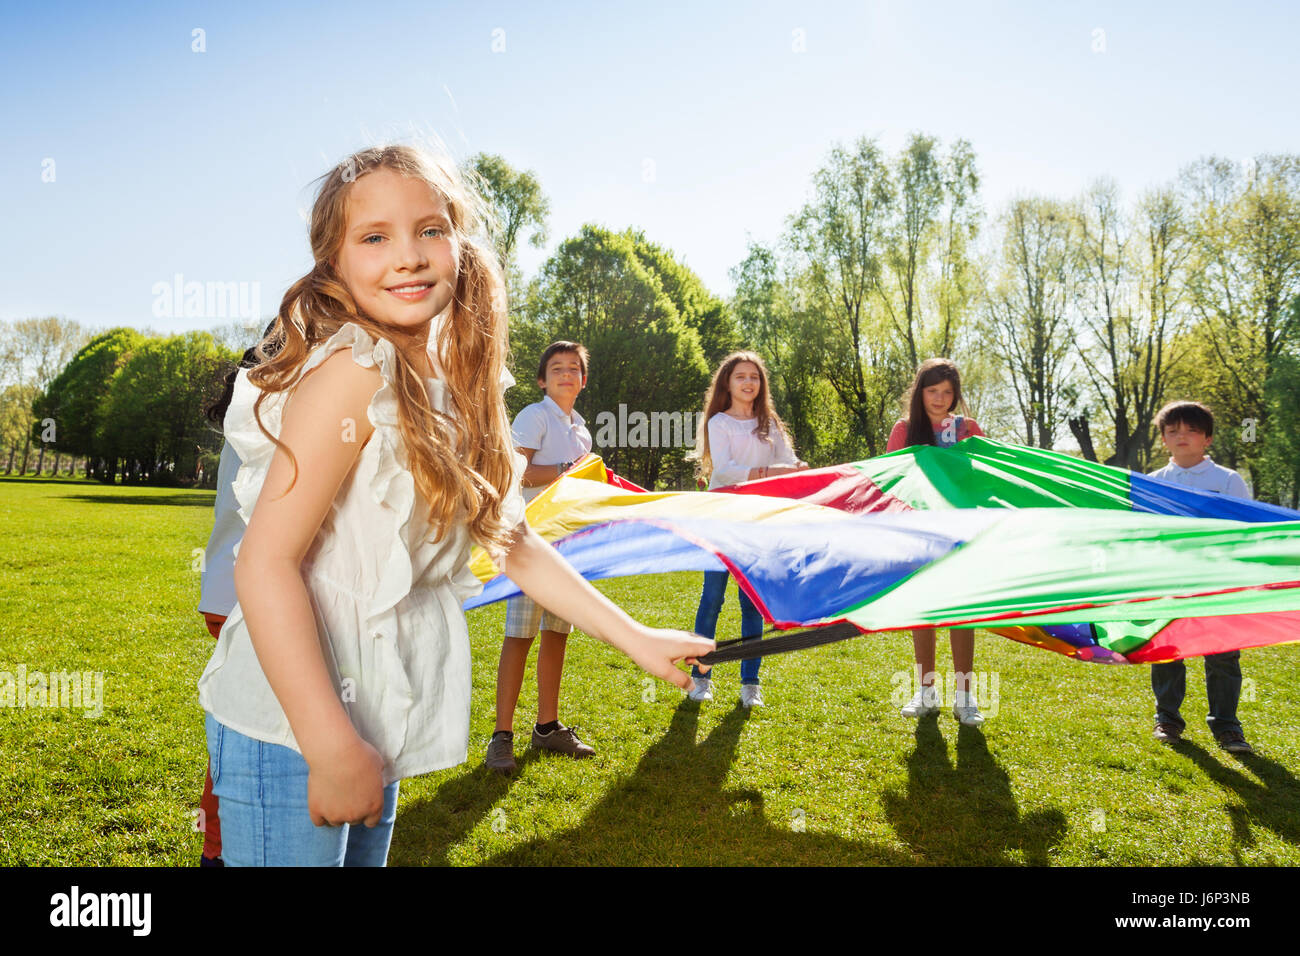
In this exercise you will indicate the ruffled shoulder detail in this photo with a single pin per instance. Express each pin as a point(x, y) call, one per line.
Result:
point(256, 450)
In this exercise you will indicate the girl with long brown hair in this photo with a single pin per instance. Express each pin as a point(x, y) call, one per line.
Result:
point(931, 402)
point(741, 438)
point(374, 449)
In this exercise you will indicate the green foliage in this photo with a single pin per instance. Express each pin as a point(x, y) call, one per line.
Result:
point(518, 206)
point(699, 308)
point(839, 243)
point(1277, 457)
point(1242, 287)
point(516, 199)
point(75, 397)
point(877, 276)
point(16, 419)
point(790, 340)
point(153, 411)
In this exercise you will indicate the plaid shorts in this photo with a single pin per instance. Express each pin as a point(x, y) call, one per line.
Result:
point(525, 617)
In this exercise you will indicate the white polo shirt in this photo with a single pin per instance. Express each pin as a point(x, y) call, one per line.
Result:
point(554, 436)
point(1205, 475)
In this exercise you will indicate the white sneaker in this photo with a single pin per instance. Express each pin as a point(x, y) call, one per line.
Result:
point(924, 701)
point(965, 710)
point(703, 689)
point(751, 696)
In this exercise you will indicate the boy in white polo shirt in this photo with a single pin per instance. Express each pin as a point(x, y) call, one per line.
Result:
point(552, 436)
point(1187, 429)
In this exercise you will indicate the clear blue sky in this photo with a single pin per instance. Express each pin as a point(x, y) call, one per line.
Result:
point(169, 161)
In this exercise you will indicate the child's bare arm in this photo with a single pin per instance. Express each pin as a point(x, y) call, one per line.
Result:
point(325, 425)
point(535, 475)
point(547, 578)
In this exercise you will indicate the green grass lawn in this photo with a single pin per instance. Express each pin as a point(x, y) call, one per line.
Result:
point(97, 578)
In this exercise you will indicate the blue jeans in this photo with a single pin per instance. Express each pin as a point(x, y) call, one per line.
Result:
point(1222, 687)
point(706, 621)
point(264, 819)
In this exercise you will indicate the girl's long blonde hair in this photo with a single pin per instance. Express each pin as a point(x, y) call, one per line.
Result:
point(462, 463)
point(718, 399)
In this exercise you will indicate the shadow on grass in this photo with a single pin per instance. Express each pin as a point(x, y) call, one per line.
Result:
point(1274, 803)
point(193, 499)
point(671, 811)
point(446, 818)
point(966, 814)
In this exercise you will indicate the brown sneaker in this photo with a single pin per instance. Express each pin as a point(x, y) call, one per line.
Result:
point(1168, 733)
point(501, 753)
point(562, 740)
point(1234, 741)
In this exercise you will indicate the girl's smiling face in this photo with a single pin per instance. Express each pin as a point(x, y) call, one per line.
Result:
point(938, 400)
point(399, 255)
point(745, 383)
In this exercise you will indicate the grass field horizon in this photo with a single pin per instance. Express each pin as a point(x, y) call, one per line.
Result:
point(100, 578)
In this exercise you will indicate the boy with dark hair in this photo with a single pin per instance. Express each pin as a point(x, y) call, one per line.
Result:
point(1187, 428)
point(553, 437)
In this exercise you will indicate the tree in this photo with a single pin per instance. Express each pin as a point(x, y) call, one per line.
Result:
point(1278, 460)
point(1245, 275)
point(1129, 294)
point(699, 308)
point(238, 337)
point(789, 341)
point(15, 420)
point(959, 280)
point(925, 288)
point(75, 399)
point(152, 413)
point(35, 351)
point(1027, 309)
point(839, 242)
point(518, 205)
point(920, 198)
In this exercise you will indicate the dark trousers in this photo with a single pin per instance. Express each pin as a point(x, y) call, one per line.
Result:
point(1222, 687)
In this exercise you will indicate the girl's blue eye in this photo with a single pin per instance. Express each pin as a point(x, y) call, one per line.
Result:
point(368, 238)
point(436, 229)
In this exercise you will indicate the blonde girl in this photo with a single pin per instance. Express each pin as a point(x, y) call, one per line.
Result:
point(374, 449)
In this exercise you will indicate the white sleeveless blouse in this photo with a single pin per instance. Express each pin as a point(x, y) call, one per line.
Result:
point(387, 598)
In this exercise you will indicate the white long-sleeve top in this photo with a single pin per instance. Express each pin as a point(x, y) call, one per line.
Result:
point(217, 579)
point(735, 448)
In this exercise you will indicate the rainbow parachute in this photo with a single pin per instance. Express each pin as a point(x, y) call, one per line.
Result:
point(1084, 559)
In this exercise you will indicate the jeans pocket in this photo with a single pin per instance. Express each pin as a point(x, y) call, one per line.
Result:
point(215, 732)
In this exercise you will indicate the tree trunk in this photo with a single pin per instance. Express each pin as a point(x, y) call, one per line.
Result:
point(26, 452)
point(1083, 435)
point(9, 465)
